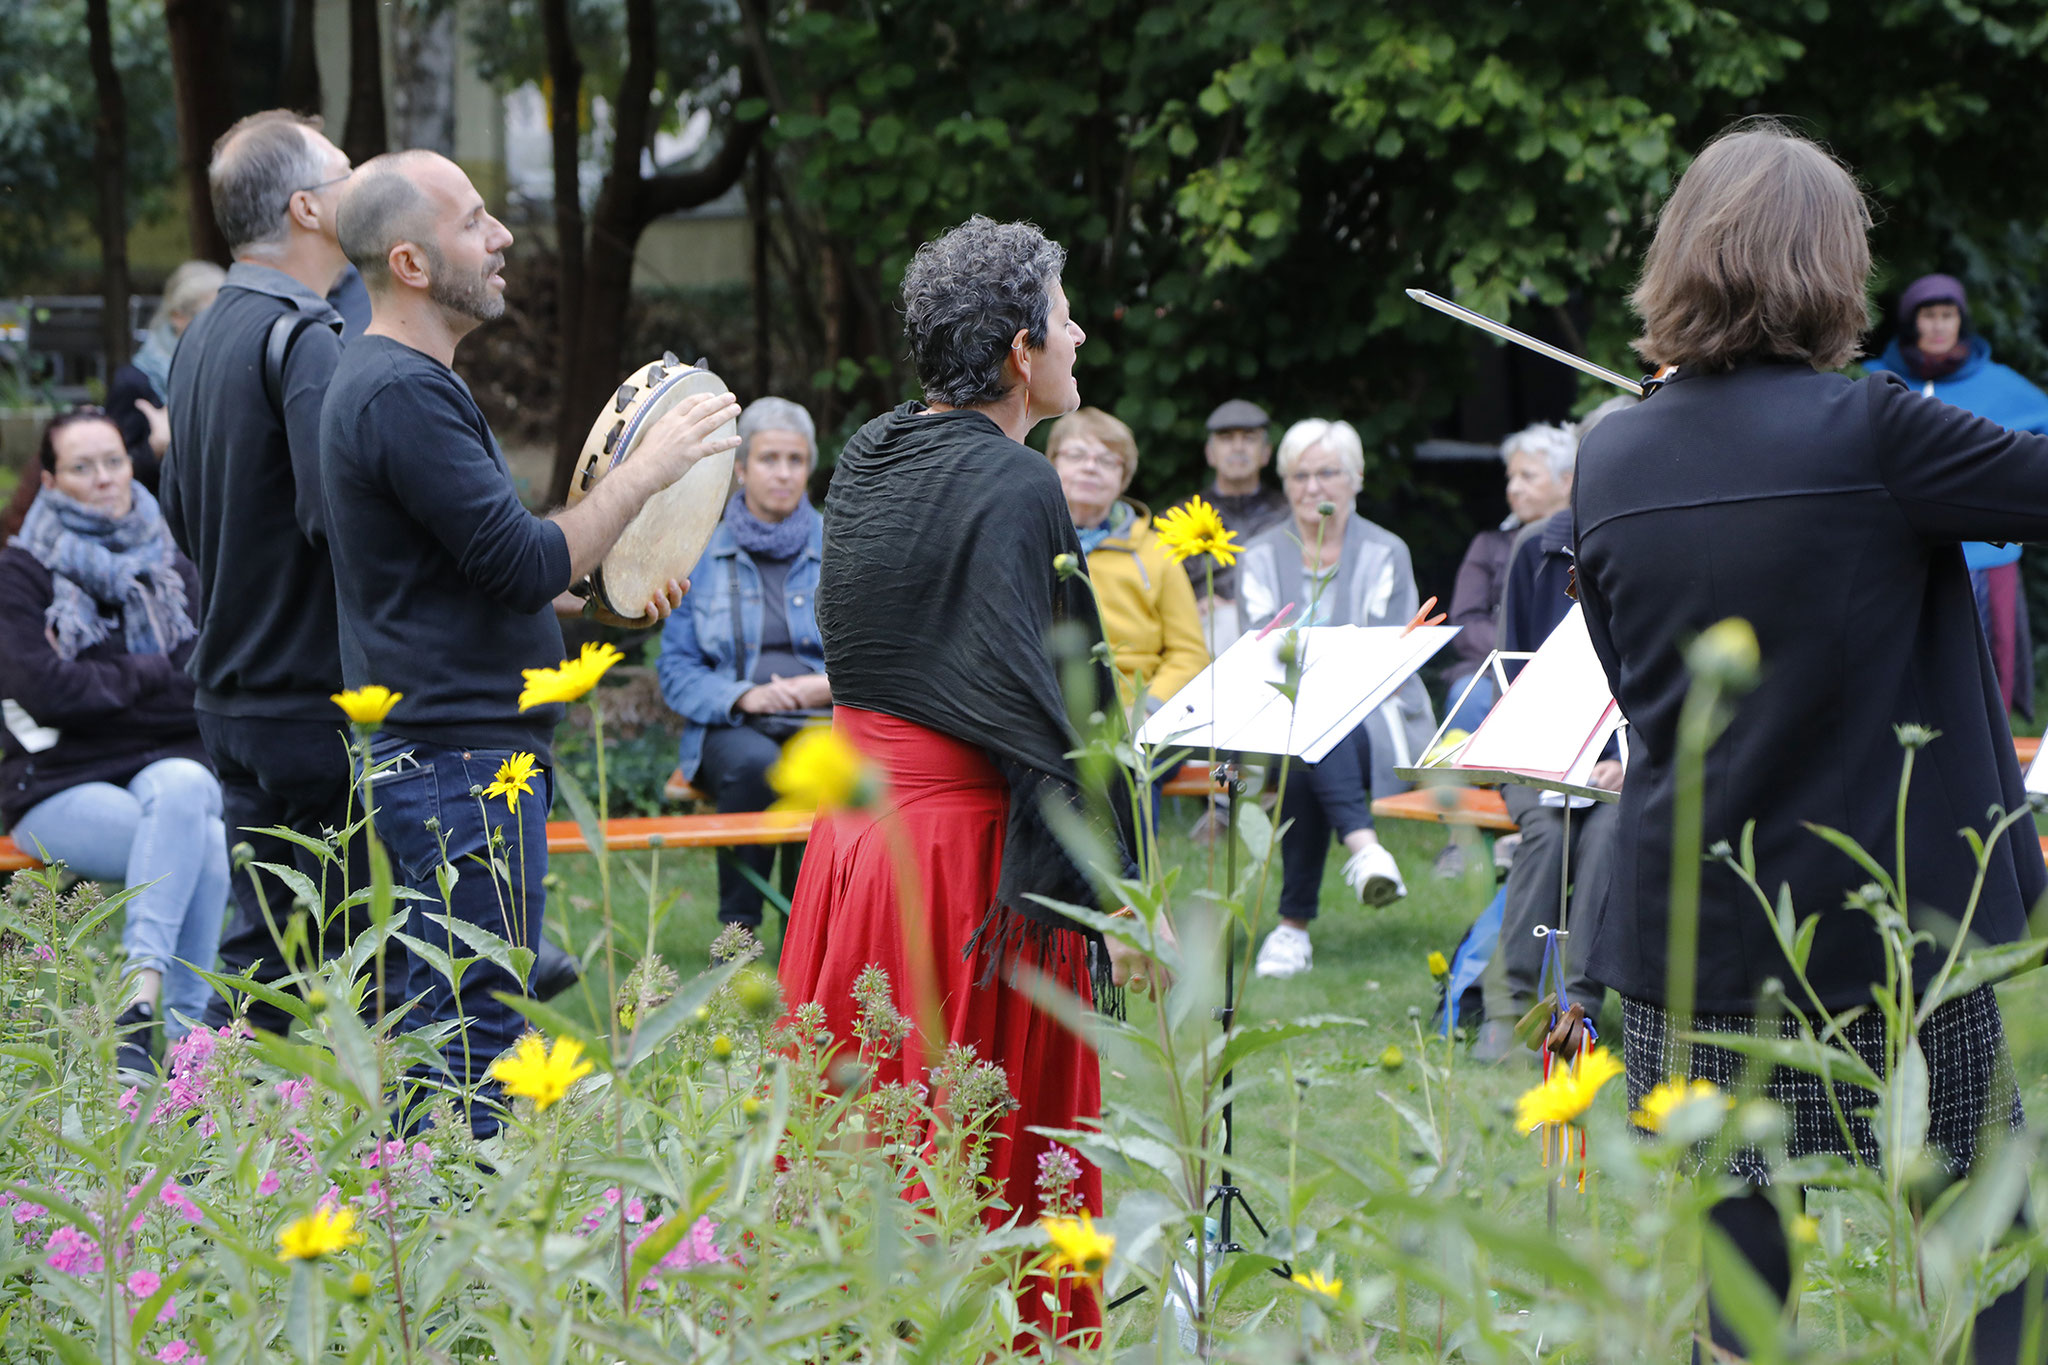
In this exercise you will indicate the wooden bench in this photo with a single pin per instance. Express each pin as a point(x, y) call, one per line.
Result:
point(1191, 780)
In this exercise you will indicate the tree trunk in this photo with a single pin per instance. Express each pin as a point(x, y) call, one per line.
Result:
point(423, 77)
point(565, 107)
point(110, 168)
point(364, 137)
point(757, 204)
point(199, 50)
point(298, 84)
point(628, 201)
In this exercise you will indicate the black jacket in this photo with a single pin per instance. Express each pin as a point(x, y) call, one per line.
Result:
point(1827, 513)
point(115, 713)
point(241, 492)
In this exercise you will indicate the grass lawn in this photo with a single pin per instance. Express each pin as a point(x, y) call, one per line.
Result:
point(1369, 965)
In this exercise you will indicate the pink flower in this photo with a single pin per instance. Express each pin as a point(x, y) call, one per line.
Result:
point(268, 1185)
point(207, 1127)
point(302, 1147)
point(45, 953)
point(636, 1210)
point(423, 1156)
point(73, 1253)
point(180, 1203)
point(180, 1352)
point(127, 1104)
point(143, 1283)
point(698, 1247)
point(25, 1212)
point(292, 1093)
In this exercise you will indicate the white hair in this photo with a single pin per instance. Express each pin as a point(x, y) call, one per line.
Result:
point(1338, 438)
point(776, 414)
point(1558, 447)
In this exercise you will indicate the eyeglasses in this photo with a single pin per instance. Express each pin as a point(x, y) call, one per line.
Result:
point(1329, 478)
point(1107, 460)
point(308, 189)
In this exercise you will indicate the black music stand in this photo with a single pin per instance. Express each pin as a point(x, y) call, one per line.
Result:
point(1353, 670)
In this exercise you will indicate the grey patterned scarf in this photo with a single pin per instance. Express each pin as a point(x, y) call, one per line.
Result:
point(96, 561)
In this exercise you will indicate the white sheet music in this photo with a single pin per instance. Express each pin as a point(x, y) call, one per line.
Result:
point(1556, 718)
point(1347, 671)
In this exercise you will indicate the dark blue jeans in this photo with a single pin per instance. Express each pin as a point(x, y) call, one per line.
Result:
point(430, 810)
point(734, 771)
point(1333, 797)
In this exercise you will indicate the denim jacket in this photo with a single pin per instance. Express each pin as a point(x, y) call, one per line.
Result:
point(710, 645)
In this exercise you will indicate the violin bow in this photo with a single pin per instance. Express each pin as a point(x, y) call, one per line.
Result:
point(1507, 333)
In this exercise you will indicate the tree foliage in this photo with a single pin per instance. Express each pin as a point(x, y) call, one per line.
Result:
point(1247, 187)
point(47, 107)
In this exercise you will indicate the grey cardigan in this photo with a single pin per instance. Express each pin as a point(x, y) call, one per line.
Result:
point(1374, 586)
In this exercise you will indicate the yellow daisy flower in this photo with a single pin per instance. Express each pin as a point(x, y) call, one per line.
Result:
point(1568, 1093)
point(320, 1233)
point(1439, 965)
point(541, 1073)
point(1196, 528)
point(515, 775)
point(820, 771)
point(1077, 1246)
point(574, 678)
point(1658, 1105)
point(1314, 1283)
point(367, 705)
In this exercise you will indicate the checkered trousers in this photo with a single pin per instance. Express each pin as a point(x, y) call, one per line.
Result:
point(1972, 1082)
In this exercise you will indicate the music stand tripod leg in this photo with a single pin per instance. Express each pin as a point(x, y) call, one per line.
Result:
point(1225, 1192)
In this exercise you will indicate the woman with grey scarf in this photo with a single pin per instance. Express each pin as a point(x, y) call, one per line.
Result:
point(101, 766)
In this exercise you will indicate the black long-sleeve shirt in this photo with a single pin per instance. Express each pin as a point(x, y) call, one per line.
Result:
point(446, 582)
point(241, 493)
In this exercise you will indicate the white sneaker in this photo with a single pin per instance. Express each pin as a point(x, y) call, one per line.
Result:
point(1375, 876)
point(1286, 952)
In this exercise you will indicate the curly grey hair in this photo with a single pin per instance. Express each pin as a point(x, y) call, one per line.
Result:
point(966, 295)
point(776, 414)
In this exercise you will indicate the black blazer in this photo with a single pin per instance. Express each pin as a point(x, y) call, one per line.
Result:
point(1827, 512)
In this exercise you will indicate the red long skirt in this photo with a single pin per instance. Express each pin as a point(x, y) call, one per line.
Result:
point(949, 806)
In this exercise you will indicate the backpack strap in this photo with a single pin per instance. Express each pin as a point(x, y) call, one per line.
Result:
point(276, 349)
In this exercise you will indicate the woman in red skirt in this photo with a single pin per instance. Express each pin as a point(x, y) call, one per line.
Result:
point(942, 614)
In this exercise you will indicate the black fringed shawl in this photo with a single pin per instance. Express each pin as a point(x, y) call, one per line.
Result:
point(936, 601)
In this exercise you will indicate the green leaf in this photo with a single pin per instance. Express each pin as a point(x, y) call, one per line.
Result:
point(1904, 1110)
point(302, 888)
point(1857, 853)
point(1985, 966)
point(662, 1024)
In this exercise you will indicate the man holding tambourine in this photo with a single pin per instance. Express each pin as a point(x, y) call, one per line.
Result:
point(446, 582)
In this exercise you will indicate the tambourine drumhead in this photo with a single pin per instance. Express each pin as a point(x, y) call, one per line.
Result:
point(669, 535)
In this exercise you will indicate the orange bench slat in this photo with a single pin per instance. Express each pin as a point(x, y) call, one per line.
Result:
point(12, 859)
point(687, 831)
point(1478, 806)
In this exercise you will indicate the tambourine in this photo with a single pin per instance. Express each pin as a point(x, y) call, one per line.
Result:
point(666, 538)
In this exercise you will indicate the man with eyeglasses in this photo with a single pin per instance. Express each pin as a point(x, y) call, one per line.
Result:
point(241, 492)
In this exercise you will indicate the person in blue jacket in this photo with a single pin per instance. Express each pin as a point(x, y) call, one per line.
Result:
point(742, 660)
point(1936, 352)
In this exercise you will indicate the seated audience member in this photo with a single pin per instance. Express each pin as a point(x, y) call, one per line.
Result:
point(1534, 599)
point(1935, 351)
point(100, 761)
point(1237, 449)
point(1148, 605)
point(1337, 570)
point(1539, 472)
point(135, 395)
point(741, 659)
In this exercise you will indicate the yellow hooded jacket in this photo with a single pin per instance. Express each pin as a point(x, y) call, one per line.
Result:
point(1148, 610)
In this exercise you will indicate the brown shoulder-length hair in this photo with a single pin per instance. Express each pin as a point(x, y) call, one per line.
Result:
point(1763, 250)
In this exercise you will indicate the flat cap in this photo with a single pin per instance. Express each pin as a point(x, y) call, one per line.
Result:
point(1238, 414)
